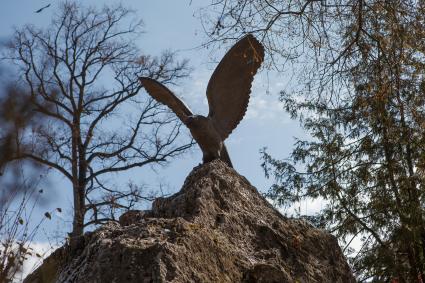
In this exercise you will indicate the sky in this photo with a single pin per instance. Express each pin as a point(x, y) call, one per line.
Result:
point(170, 24)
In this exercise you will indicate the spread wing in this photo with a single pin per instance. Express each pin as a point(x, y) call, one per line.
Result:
point(162, 94)
point(230, 85)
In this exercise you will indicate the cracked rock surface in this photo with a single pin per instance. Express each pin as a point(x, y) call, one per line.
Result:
point(218, 228)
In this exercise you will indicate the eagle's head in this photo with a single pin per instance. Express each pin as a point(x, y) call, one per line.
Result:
point(195, 121)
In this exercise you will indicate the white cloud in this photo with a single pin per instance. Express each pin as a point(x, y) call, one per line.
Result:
point(44, 249)
point(193, 91)
point(266, 108)
point(264, 104)
point(304, 207)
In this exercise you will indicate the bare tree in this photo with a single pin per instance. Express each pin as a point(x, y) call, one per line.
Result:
point(82, 73)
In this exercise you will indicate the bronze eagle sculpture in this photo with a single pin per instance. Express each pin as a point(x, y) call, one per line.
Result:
point(228, 95)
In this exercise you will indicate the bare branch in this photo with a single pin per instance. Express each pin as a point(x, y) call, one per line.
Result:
point(109, 128)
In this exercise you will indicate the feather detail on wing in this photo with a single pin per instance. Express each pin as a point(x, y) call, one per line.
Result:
point(163, 95)
point(230, 85)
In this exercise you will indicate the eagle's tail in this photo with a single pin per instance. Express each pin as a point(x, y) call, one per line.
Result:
point(224, 155)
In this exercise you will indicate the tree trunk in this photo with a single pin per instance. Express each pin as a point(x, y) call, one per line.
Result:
point(78, 222)
point(78, 186)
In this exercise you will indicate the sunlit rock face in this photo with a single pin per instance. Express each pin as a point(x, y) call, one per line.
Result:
point(218, 228)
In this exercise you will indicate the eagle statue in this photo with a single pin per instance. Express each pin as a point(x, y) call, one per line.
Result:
point(228, 93)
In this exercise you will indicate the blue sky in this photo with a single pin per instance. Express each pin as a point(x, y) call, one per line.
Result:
point(171, 24)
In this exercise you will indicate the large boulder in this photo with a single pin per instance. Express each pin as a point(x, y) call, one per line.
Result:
point(218, 228)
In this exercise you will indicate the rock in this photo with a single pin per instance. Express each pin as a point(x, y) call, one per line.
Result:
point(218, 228)
point(133, 216)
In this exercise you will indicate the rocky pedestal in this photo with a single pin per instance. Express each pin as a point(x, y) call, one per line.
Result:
point(218, 228)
